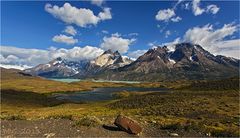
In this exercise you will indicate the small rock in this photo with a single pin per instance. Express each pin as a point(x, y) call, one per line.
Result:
point(154, 121)
point(173, 135)
point(208, 134)
point(48, 135)
point(128, 125)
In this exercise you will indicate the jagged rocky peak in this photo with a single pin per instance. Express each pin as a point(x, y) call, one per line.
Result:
point(58, 59)
point(58, 67)
point(116, 53)
point(109, 58)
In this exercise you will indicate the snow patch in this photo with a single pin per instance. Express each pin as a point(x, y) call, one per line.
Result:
point(172, 61)
point(154, 48)
point(191, 58)
point(47, 65)
point(57, 62)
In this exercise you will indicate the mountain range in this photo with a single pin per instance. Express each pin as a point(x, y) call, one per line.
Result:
point(180, 61)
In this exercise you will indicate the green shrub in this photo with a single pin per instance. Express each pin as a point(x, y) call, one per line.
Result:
point(89, 121)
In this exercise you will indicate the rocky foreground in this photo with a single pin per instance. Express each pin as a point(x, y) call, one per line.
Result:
point(66, 128)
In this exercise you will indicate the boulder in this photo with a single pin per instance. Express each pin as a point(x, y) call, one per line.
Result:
point(128, 125)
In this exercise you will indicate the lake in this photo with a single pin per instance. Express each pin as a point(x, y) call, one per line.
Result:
point(101, 94)
point(75, 80)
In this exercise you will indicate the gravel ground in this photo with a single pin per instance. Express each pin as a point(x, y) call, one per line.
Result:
point(65, 128)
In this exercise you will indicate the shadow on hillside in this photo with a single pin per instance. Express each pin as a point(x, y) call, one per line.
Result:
point(9, 96)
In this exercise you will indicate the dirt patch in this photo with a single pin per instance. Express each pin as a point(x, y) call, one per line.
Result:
point(66, 128)
point(53, 128)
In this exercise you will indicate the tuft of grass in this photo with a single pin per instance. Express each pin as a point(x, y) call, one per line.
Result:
point(12, 117)
point(61, 116)
point(88, 121)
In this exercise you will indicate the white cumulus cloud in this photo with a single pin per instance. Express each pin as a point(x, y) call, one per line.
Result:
point(70, 30)
point(22, 57)
point(213, 40)
point(64, 39)
point(165, 15)
point(79, 16)
point(106, 14)
point(116, 42)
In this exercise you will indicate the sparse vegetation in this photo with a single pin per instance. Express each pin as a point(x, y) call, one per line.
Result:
point(225, 84)
point(89, 121)
point(12, 117)
point(199, 107)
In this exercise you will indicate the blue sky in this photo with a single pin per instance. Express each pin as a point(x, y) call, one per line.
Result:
point(134, 24)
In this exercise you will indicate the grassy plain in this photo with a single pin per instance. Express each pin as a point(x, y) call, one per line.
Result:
point(206, 107)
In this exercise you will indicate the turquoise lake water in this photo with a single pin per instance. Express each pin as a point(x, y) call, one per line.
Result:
point(75, 80)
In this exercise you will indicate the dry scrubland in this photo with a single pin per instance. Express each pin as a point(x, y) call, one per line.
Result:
point(191, 107)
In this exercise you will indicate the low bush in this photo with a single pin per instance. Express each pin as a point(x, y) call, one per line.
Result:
point(89, 121)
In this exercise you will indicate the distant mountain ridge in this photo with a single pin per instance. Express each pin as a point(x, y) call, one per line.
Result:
point(185, 61)
point(180, 61)
point(62, 68)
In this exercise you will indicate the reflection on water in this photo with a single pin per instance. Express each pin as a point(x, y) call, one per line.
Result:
point(101, 94)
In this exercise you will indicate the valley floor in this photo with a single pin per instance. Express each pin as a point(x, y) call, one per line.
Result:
point(207, 109)
point(186, 113)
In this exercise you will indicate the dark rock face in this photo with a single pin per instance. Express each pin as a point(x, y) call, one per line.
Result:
point(187, 61)
point(127, 125)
